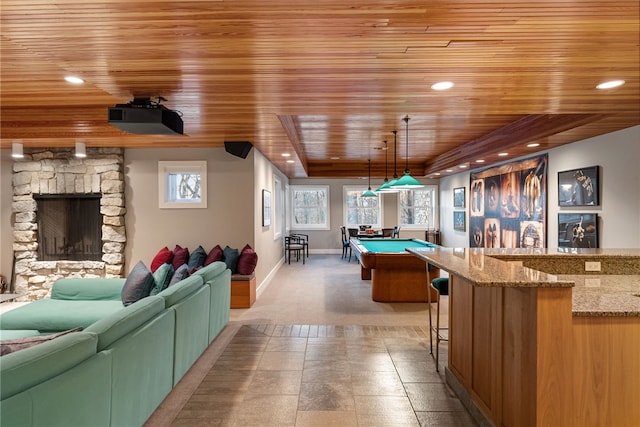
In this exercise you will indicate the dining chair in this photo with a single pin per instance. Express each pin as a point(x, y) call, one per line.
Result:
point(304, 238)
point(387, 232)
point(346, 247)
point(293, 244)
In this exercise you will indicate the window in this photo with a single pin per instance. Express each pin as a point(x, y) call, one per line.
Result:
point(418, 207)
point(182, 184)
point(309, 207)
point(361, 210)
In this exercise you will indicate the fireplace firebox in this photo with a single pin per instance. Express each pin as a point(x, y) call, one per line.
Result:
point(69, 227)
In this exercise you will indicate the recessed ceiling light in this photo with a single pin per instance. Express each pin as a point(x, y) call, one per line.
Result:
point(462, 166)
point(503, 154)
point(533, 144)
point(442, 85)
point(448, 170)
point(480, 161)
point(334, 158)
point(286, 155)
point(610, 84)
point(73, 79)
point(437, 174)
point(290, 161)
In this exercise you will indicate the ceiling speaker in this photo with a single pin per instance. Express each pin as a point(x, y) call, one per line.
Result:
point(238, 148)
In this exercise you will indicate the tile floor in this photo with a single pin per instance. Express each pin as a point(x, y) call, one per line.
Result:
point(315, 350)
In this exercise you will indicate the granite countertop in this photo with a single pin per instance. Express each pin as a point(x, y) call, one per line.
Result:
point(484, 270)
point(605, 295)
point(592, 295)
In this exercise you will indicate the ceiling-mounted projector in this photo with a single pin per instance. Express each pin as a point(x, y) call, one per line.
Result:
point(145, 117)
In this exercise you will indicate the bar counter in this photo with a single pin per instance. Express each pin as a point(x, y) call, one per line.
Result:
point(538, 337)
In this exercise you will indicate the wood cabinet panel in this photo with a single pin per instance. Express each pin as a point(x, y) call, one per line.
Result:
point(460, 330)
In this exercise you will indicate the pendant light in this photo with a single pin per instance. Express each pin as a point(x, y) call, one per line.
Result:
point(386, 170)
point(369, 193)
point(407, 182)
point(387, 187)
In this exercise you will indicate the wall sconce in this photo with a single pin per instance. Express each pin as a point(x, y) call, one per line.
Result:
point(81, 150)
point(17, 151)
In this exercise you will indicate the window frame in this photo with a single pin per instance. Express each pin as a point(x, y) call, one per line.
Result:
point(345, 206)
point(168, 168)
point(324, 226)
point(278, 209)
point(434, 210)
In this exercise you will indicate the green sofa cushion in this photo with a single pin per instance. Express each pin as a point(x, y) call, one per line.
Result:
point(26, 368)
point(113, 327)
point(181, 290)
point(97, 289)
point(210, 271)
point(58, 315)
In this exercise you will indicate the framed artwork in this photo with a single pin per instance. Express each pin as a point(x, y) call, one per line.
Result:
point(508, 205)
point(458, 197)
point(579, 187)
point(459, 223)
point(577, 230)
point(266, 208)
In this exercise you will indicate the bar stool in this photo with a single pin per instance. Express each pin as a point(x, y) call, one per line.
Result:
point(441, 285)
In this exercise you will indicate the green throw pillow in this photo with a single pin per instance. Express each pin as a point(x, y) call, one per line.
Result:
point(161, 278)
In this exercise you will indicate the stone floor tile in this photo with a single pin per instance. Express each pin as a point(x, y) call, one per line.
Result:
point(326, 419)
point(378, 362)
point(427, 397)
point(336, 396)
point(372, 383)
point(275, 382)
point(286, 344)
point(281, 361)
point(393, 405)
point(265, 410)
point(446, 419)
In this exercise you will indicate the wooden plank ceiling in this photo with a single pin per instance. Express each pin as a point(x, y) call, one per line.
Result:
point(326, 81)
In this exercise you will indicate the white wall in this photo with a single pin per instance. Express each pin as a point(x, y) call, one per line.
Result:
point(268, 245)
point(617, 154)
point(227, 220)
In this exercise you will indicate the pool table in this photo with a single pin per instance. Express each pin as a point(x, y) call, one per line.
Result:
point(396, 275)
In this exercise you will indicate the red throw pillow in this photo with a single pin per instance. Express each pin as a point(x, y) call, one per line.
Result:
point(164, 256)
point(180, 256)
point(214, 255)
point(247, 261)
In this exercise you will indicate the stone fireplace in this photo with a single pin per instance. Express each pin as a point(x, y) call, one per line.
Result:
point(63, 248)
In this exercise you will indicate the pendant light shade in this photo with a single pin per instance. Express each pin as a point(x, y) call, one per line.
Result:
point(387, 187)
point(407, 182)
point(369, 193)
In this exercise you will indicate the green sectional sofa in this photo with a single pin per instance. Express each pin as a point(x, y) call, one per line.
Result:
point(125, 361)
